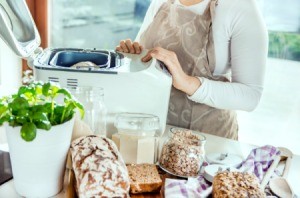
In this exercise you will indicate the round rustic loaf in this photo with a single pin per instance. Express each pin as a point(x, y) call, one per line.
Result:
point(236, 184)
point(99, 168)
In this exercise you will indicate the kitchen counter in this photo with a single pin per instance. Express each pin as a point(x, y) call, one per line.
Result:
point(213, 144)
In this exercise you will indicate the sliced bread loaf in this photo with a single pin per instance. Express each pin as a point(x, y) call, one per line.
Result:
point(143, 178)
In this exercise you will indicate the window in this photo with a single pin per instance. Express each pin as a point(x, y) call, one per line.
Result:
point(283, 23)
point(74, 22)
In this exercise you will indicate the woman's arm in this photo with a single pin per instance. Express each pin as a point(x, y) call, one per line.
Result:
point(248, 49)
point(248, 53)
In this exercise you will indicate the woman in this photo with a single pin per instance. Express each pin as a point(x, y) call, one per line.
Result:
point(216, 52)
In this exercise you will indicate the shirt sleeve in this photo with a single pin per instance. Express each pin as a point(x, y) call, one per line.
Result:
point(248, 49)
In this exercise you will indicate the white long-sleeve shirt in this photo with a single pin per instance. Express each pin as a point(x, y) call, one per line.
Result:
point(241, 46)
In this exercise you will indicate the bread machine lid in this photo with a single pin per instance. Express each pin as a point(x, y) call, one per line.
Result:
point(18, 29)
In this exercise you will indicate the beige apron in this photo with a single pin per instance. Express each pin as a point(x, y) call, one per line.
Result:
point(189, 35)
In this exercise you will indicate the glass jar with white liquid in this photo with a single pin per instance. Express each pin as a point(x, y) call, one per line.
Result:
point(137, 137)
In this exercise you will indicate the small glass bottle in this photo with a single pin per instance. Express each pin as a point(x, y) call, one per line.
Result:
point(92, 99)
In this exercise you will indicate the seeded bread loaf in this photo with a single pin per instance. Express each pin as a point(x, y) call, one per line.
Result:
point(236, 184)
point(98, 168)
point(143, 178)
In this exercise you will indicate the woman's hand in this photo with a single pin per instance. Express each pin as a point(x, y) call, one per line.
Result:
point(128, 46)
point(181, 80)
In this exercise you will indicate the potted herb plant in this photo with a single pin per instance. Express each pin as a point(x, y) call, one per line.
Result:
point(39, 121)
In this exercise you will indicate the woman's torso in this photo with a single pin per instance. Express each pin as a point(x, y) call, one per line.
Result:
point(188, 34)
point(221, 30)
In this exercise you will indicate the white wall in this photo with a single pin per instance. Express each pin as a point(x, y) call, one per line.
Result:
point(10, 70)
point(10, 75)
point(276, 119)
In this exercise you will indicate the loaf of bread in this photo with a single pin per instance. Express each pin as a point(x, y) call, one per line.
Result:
point(84, 64)
point(236, 184)
point(143, 178)
point(98, 168)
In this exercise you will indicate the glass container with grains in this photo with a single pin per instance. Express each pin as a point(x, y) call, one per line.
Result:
point(183, 152)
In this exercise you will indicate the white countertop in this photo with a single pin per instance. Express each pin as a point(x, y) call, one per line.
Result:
point(213, 144)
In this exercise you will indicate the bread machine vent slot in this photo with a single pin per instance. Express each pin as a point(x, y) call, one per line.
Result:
point(72, 83)
point(53, 79)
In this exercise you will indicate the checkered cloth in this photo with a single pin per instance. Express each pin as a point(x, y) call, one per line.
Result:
point(257, 162)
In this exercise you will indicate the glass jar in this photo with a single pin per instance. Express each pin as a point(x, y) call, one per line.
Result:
point(137, 137)
point(183, 152)
point(92, 99)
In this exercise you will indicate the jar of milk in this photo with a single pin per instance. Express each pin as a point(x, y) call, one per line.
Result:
point(137, 137)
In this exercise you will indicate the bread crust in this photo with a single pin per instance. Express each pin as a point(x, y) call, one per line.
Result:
point(144, 178)
point(98, 167)
point(236, 184)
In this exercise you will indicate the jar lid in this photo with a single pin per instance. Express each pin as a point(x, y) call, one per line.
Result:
point(211, 170)
point(230, 160)
point(137, 124)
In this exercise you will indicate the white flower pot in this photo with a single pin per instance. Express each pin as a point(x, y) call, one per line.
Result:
point(38, 166)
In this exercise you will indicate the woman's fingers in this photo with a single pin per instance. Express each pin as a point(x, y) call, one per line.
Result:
point(129, 45)
point(156, 50)
point(161, 57)
point(179, 77)
point(162, 51)
point(137, 47)
point(158, 53)
point(148, 56)
point(119, 49)
point(124, 47)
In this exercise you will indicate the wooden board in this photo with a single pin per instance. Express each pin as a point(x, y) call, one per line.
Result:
point(71, 192)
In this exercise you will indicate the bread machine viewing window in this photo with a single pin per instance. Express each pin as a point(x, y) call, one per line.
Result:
point(69, 59)
point(85, 58)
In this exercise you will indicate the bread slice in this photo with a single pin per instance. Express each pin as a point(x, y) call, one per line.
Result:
point(143, 178)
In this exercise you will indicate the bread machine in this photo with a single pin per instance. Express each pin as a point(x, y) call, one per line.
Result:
point(129, 84)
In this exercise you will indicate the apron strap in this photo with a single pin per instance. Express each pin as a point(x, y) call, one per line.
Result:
point(213, 5)
point(171, 1)
point(210, 9)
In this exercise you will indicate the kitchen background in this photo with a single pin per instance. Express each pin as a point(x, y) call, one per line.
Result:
point(102, 24)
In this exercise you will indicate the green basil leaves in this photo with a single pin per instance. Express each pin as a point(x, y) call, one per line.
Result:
point(38, 106)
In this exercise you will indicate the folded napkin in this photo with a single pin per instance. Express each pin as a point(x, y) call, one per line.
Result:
point(257, 162)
